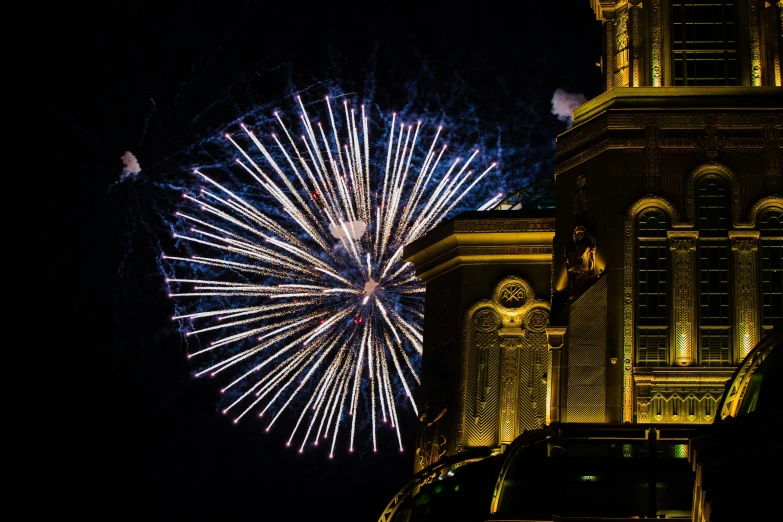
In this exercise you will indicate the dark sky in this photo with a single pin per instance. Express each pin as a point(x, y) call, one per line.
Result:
point(131, 432)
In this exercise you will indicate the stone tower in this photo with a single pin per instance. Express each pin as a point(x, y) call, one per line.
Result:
point(660, 268)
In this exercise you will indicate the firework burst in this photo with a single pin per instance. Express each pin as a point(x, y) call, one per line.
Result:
point(313, 299)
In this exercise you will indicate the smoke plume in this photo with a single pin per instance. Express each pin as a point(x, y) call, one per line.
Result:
point(355, 229)
point(564, 102)
point(131, 167)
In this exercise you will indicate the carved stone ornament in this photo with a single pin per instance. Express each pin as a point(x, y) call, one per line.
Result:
point(754, 43)
point(643, 414)
point(656, 52)
point(711, 144)
point(621, 58)
point(555, 337)
point(503, 341)
point(635, 13)
point(571, 154)
point(744, 244)
point(512, 295)
point(580, 258)
point(486, 320)
point(536, 320)
point(683, 244)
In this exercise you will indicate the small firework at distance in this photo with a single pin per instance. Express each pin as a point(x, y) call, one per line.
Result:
point(312, 298)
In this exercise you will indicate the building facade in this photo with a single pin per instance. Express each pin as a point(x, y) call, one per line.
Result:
point(634, 300)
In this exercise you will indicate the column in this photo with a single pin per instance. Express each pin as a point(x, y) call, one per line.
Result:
point(683, 245)
point(744, 247)
point(555, 337)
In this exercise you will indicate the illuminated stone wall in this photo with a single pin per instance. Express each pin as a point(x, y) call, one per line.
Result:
point(485, 357)
point(643, 148)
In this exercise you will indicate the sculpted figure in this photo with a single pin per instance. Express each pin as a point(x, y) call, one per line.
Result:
point(580, 257)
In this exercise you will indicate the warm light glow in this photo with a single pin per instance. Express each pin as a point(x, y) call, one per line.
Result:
point(683, 348)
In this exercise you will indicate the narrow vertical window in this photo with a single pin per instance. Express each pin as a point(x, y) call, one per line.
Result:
point(715, 336)
point(652, 286)
point(771, 268)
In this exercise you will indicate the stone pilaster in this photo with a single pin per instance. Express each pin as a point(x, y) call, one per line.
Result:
point(555, 337)
point(656, 44)
point(754, 43)
point(510, 343)
point(621, 48)
point(744, 246)
point(608, 21)
point(635, 15)
point(683, 246)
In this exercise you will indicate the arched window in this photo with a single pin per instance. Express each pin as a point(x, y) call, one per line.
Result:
point(652, 311)
point(771, 268)
point(714, 300)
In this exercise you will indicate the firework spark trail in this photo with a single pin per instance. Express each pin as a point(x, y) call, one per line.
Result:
point(312, 317)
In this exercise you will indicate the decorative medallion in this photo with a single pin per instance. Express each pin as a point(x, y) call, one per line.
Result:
point(486, 320)
point(512, 295)
point(536, 320)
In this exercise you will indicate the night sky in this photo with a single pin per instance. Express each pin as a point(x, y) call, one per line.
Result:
point(130, 431)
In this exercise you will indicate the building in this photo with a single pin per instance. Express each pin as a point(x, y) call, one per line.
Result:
point(661, 266)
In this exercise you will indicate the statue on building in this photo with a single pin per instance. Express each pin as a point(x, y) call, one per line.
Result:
point(432, 442)
point(580, 258)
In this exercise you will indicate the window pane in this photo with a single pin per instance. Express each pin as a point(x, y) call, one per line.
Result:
point(704, 33)
point(771, 268)
point(713, 206)
point(714, 312)
point(652, 319)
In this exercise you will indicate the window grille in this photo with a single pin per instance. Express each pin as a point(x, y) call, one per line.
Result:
point(771, 268)
point(714, 298)
point(652, 285)
point(704, 43)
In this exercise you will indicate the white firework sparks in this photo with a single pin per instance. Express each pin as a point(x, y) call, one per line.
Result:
point(337, 310)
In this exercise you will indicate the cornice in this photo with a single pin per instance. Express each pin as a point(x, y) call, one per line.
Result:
point(483, 237)
point(666, 98)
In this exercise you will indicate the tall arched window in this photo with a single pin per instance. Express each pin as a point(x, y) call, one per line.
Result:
point(652, 311)
point(714, 313)
point(771, 268)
